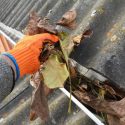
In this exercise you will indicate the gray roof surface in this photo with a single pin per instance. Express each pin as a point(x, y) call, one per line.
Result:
point(103, 52)
point(14, 110)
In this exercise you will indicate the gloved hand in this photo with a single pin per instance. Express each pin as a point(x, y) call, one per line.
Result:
point(27, 51)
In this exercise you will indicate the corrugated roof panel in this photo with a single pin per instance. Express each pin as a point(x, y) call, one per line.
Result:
point(16, 111)
point(36, 7)
point(2, 4)
point(8, 8)
point(16, 107)
point(104, 51)
point(101, 52)
point(14, 12)
point(21, 12)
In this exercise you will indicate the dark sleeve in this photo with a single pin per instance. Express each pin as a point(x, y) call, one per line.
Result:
point(6, 79)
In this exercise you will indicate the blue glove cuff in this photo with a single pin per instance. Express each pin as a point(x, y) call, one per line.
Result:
point(15, 63)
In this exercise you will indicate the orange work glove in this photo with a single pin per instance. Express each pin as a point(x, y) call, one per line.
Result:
point(27, 51)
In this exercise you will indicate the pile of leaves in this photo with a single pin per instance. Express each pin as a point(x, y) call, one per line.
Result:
point(56, 70)
point(108, 102)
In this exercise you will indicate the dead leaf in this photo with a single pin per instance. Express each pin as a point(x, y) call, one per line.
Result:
point(38, 25)
point(31, 28)
point(122, 120)
point(39, 106)
point(54, 72)
point(86, 34)
point(73, 73)
point(68, 19)
point(67, 45)
point(113, 120)
point(33, 115)
point(106, 88)
point(46, 51)
point(77, 39)
point(35, 80)
point(119, 107)
point(84, 86)
point(47, 90)
point(109, 89)
point(115, 108)
point(44, 26)
point(109, 107)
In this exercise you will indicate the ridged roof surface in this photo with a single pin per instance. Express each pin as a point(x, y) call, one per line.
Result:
point(14, 110)
point(103, 52)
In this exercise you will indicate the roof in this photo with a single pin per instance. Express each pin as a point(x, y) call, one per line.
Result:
point(103, 52)
point(15, 108)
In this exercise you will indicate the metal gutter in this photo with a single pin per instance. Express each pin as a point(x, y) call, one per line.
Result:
point(82, 107)
point(8, 38)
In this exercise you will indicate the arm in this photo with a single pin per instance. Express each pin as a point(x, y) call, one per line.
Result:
point(6, 78)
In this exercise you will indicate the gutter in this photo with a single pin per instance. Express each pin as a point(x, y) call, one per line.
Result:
point(86, 72)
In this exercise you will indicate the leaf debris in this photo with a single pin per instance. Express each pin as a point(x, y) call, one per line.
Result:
point(39, 106)
point(86, 34)
point(68, 19)
point(37, 25)
point(55, 72)
point(56, 57)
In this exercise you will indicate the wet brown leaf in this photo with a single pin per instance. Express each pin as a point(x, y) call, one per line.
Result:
point(68, 19)
point(110, 89)
point(73, 73)
point(97, 83)
point(47, 90)
point(47, 50)
point(39, 106)
point(86, 34)
point(113, 120)
point(31, 28)
point(33, 115)
point(106, 88)
point(119, 92)
point(115, 108)
point(39, 103)
point(122, 120)
point(38, 25)
point(35, 80)
point(44, 26)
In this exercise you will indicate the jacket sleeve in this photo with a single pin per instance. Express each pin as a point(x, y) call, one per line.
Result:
point(6, 79)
